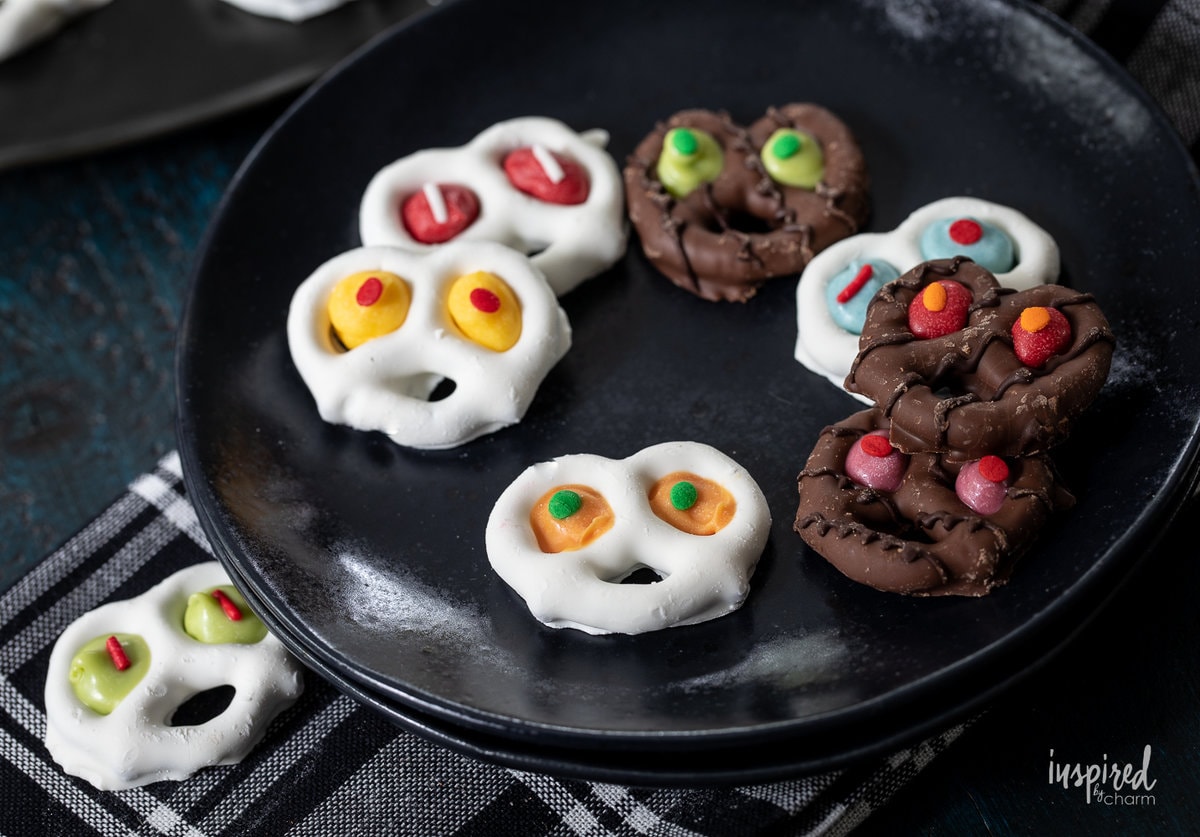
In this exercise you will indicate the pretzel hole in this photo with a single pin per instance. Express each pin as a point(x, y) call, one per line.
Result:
point(202, 707)
point(742, 222)
point(641, 575)
point(428, 386)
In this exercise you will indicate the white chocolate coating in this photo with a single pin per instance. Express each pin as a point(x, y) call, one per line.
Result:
point(293, 11)
point(25, 22)
point(384, 384)
point(703, 576)
point(135, 744)
point(575, 242)
point(829, 350)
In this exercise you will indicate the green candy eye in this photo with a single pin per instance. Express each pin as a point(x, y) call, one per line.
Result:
point(95, 677)
point(212, 621)
point(793, 158)
point(564, 504)
point(689, 158)
point(683, 495)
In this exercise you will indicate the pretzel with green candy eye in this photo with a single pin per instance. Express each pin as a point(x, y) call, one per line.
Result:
point(721, 209)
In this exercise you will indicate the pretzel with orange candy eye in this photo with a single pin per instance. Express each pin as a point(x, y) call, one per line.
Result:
point(566, 534)
point(964, 367)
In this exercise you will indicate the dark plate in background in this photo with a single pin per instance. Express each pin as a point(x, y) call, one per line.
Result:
point(368, 558)
point(136, 68)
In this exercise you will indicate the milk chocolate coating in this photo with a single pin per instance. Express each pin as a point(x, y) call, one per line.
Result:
point(920, 540)
point(967, 394)
point(727, 237)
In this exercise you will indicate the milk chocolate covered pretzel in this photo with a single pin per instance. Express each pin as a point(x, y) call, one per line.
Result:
point(920, 524)
point(721, 209)
point(964, 367)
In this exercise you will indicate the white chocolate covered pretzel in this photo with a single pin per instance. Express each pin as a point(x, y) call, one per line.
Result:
point(840, 281)
point(496, 349)
point(134, 742)
point(566, 533)
point(530, 183)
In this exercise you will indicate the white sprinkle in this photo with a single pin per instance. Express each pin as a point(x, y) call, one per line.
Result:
point(546, 160)
point(437, 204)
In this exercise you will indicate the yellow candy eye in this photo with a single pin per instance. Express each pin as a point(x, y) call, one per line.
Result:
point(367, 305)
point(570, 517)
point(485, 310)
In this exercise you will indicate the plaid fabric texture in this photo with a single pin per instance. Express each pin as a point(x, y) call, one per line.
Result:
point(329, 766)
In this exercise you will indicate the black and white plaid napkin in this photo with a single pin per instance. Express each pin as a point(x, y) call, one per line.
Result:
point(327, 765)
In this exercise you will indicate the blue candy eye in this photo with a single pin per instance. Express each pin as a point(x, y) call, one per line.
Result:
point(849, 291)
point(986, 245)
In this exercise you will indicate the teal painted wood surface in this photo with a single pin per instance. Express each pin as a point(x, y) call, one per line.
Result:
point(94, 262)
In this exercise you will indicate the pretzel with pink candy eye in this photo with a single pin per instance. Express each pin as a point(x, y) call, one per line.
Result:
point(119, 675)
point(837, 285)
point(374, 333)
point(566, 533)
point(530, 183)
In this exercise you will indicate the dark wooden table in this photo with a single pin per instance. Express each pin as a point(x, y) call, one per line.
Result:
point(94, 258)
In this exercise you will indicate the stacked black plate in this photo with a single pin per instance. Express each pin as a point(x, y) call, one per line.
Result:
point(367, 558)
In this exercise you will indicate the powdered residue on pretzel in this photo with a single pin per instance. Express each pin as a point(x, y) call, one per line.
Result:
point(741, 205)
point(913, 533)
point(966, 389)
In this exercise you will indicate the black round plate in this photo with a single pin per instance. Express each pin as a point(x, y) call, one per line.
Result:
point(369, 558)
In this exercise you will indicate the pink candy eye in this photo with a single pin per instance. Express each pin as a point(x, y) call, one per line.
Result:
point(873, 462)
point(983, 485)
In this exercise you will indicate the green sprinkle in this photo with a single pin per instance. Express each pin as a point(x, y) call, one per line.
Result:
point(683, 495)
point(564, 504)
point(684, 141)
point(786, 146)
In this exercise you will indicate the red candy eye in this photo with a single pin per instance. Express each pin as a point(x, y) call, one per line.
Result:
point(939, 309)
point(439, 212)
point(1039, 334)
point(546, 176)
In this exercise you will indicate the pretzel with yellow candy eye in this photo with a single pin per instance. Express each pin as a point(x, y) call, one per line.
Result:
point(375, 332)
point(566, 533)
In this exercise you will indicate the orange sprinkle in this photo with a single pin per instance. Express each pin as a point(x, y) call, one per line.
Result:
point(934, 297)
point(1034, 319)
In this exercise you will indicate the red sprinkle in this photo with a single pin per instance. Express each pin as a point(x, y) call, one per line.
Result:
point(993, 468)
point(369, 292)
point(485, 301)
point(227, 605)
point(117, 653)
point(876, 445)
point(856, 284)
point(965, 231)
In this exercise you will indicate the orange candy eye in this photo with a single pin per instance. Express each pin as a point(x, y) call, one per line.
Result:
point(569, 517)
point(485, 310)
point(367, 305)
point(692, 503)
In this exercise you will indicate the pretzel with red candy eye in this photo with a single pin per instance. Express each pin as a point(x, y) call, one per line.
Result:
point(920, 524)
point(721, 209)
point(964, 367)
